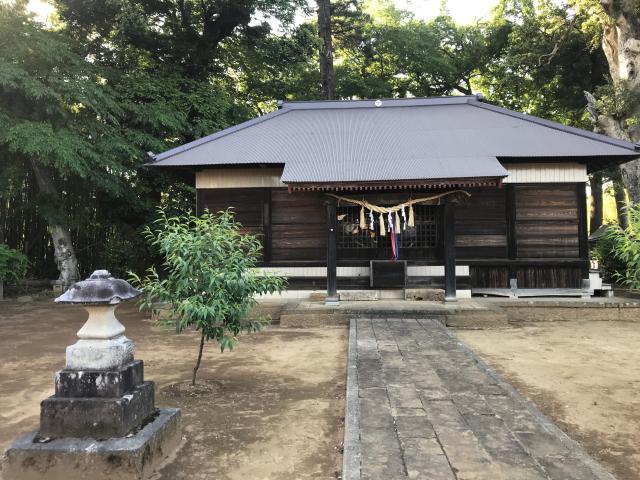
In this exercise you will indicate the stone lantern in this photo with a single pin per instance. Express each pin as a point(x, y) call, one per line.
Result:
point(102, 421)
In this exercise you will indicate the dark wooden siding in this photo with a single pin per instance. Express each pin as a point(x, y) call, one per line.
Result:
point(481, 226)
point(248, 204)
point(530, 232)
point(298, 226)
point(545, 227)
point(489, 276)
point(546, 221)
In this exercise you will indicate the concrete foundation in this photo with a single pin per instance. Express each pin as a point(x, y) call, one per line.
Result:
point(135, 457)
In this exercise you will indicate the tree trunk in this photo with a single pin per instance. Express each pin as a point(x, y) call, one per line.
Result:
point(597, 210)
point(621, 204)
point(327, 73)
point(621, 45)
point(64, 252)
point(195, 369)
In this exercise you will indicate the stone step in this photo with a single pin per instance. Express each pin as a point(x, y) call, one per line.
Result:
point(477, 319)
point(313, 318)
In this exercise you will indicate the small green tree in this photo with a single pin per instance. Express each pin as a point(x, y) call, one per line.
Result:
point(209, 279)
point(626, 248)
point(13, 266)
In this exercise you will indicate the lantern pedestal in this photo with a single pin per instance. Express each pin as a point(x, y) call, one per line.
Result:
point(135, 457)
point(101, 423)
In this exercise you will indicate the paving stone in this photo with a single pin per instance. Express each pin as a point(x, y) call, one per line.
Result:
point(374, 393)
point(497, 439)
point(391, 347)
point(374, 414)
point(381, 454)
point(444, 416)
point(414, 427)
point(567, 468)
point(540, 444)
point(425, 460)
point(403, 397)
point(434, 393)
point(467, 457)
point(408, 412)
point(469, 403)
point(428, 409)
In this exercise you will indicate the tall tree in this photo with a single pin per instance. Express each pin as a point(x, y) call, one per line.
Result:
point(615, 109)
point(55, 119)
point(327, 73)
point(78, 132)
point(597, 207)
point(388, 52)
point(178, 34)
point(547, 61)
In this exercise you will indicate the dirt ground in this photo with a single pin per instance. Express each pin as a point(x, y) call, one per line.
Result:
point(584, 375)
point(273, 408)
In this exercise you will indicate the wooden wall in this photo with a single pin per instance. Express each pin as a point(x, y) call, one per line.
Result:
point(546, 221)
point(481, 225)
point(546, 239)
point(524, 231)
point(299, 226)
point(248, 204)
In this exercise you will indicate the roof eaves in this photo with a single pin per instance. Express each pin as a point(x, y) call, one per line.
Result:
point(376, 103)
point(214, 136)
point(478, 181)
point(557, 126)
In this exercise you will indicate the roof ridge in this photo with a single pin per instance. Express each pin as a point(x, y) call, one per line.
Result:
point(556, 125)
point(375, 103)
point(214, 136)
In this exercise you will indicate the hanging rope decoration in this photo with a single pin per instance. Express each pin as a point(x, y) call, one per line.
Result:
point(404, 219)
point(394, 235)
point(393, 224)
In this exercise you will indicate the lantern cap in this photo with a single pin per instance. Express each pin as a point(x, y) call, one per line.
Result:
point(100, 288)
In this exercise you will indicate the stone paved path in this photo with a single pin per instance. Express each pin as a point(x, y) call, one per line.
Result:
point(422, 406)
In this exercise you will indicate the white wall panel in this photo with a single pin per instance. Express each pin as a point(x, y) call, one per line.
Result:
point(546, 173)
point(239, 178)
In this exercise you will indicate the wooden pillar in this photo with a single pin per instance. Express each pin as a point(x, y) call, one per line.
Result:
point(449, 252)
point(266, 225)
point(512, 244)
point(332, 254)
point(583, 236)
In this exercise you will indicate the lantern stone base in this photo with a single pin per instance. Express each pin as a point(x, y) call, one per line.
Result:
point(135, 457)
point(96, 417)
point(100, 354)
point(99, 383)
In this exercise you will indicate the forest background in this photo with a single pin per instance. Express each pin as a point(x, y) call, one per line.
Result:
point(85, 95)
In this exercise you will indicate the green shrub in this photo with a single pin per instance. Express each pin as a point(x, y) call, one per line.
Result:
point(603, 251)
point(625, 248)
point(13, 265)
point(209, 280)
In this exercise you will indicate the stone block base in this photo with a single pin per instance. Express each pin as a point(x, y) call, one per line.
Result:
point(132, 458)
point(99, 383)
point(477, 319)
point(313, 318)
point(359, 295)
point(96, 417)
point(105, 354)
point(427, 294)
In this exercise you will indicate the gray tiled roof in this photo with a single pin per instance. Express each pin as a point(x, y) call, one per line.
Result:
point(400, 139)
